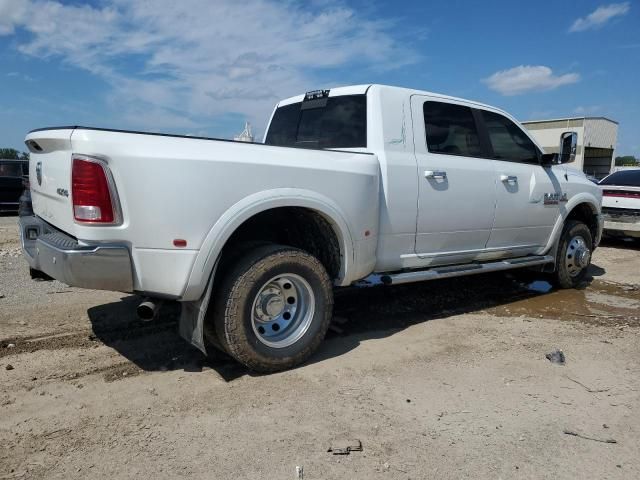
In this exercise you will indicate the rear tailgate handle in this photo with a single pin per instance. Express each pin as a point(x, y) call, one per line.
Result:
point(510, 179)
point(436, 175)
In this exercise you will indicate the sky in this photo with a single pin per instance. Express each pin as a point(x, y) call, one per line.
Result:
point(203, 67)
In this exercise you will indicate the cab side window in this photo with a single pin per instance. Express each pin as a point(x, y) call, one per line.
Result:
point(509, 142)
point(451, 129)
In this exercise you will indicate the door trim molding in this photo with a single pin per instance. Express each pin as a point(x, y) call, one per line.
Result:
point(466, 252)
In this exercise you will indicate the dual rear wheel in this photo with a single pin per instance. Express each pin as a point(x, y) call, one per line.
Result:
point(273, 308)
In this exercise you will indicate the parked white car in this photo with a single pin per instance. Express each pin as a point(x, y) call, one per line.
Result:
point(621, 203)
point(355, 185)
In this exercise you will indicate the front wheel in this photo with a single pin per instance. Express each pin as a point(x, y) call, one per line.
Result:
point(574, 255)
point(273, 308)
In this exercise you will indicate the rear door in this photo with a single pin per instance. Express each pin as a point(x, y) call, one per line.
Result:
point(456, 182)
point(528, 195)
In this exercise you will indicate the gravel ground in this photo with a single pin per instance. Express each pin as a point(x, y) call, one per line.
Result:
point(438, 380)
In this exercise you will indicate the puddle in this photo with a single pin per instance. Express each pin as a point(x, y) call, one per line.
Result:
point(527, 295)
point(599, 302)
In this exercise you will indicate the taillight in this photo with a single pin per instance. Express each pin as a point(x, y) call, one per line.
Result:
point(621, 194)
point(90, 193)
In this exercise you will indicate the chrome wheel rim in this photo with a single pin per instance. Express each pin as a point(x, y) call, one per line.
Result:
point(578, 256)
point(282, 310)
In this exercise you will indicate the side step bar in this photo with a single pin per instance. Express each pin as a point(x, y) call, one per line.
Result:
point(455, 271)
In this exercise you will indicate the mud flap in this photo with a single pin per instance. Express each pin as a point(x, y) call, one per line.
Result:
point(192, 319)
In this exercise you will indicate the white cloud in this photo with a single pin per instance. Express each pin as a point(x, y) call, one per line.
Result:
point(600, 16)
point(587, 110)
point(12, 13)
point(528, 78)
point(22, 76)
point(182, 61)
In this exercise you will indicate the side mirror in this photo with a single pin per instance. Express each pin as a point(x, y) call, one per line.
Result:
point(568, 147)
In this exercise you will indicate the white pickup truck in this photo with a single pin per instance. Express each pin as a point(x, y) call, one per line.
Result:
point(356, 185)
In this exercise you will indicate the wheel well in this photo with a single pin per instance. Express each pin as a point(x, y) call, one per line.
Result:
point(298, 227)
point(585, 213)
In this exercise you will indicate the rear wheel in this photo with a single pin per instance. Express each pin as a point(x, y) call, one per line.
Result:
point(273, 308)
point(574, 255)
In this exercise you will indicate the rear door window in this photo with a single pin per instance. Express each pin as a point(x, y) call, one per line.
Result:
point(451, 129)
point(508, 140)
point(340, 122)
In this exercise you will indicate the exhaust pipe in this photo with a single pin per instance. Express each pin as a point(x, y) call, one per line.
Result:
point(148, 310)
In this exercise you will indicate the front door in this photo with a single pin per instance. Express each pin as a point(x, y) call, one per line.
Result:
point(456, 183)
point(528, 194)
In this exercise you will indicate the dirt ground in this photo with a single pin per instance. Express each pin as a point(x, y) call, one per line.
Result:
point(437, 380)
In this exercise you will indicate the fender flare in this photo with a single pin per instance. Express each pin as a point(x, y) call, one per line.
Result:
point(565, 211)
point(206, 260)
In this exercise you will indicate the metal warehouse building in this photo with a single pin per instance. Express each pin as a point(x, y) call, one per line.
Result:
point(597, 138)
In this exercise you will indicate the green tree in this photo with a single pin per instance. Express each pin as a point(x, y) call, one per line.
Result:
point(626, 161)
point(13, 154)
point(9, 153)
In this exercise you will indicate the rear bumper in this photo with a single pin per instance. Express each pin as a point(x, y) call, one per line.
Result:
point(624, 223)
point(100, 267)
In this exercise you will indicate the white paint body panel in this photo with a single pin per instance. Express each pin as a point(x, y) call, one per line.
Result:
point(455, 213)
point(201, 190)
point(522, 220)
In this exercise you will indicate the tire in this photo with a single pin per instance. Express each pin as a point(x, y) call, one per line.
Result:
point(231, 258)
point(273, 308)
point(574, 255)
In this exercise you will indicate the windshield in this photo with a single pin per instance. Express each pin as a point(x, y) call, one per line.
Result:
point(626, 178)
point(340, 123)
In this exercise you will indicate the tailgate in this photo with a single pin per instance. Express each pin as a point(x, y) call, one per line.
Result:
point(50, 176)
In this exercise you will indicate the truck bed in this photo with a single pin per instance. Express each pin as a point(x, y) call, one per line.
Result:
point(177, 187)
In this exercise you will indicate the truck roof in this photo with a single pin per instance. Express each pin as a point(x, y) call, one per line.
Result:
point(362, 89)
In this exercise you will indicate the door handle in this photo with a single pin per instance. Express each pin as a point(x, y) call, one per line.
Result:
point(436, 175)
point(512, 179)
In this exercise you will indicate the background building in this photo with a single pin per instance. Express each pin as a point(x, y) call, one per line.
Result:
point(597, 137)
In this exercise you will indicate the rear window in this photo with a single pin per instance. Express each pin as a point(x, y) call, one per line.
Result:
point(628, 178)
point(10, 169)
point(340, 123)
point(451, 129)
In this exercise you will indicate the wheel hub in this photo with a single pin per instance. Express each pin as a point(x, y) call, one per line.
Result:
point(582, 257)
point(269, 303)
point(283, 310)
point(274, 305)
point(578, 256)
